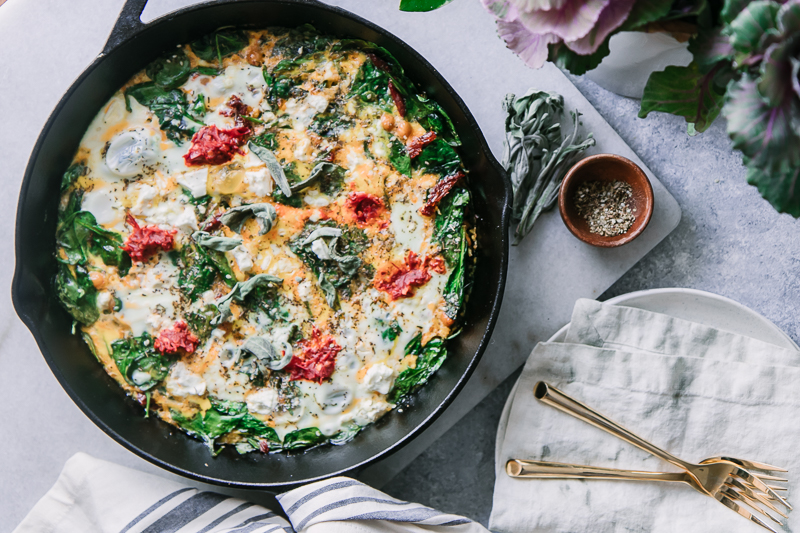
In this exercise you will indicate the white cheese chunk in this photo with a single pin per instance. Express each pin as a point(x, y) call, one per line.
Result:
point(195, 181)
point(243, 258)
point(183, 382)
point(379, 378)
point(259, 182)
point(263, 401)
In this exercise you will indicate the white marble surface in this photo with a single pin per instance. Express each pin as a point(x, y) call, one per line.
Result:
point(42, 427)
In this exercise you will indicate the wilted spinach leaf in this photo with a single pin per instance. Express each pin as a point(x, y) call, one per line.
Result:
point(438, 158)
point(447, 229)
point(304, 438)
point(398, 157)
point(429, 359)
point(170, 71)
point(139, 362)
point(330, 178)
point(456, 284)
point(200, 321)
point(75, 171)
point(300, 41)
point(77, 293)
point(329, 125)
point(170, 106)
point(219, 44)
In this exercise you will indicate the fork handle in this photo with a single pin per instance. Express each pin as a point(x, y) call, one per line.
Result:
point(555, 398)
point(521, 468)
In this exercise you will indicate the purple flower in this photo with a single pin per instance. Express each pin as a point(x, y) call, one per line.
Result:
point(529, 26)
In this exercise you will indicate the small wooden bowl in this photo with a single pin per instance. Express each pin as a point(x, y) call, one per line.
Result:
point(606, 167)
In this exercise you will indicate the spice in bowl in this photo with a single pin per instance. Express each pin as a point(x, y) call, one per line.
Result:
point(606, 206)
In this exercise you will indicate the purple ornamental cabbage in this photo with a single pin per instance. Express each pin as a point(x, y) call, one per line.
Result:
point(529, 26)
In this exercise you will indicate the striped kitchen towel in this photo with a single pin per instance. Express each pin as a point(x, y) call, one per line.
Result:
point(94, 496)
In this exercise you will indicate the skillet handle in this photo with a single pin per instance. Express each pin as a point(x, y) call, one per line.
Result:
point(128, 23)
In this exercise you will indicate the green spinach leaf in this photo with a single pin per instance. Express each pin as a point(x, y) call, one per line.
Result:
point(170, 106)
point(304, 438)
point(139, 362)
point(454, 290)
point(75, 171)
point(438, 158)
point(200, 321)
point(422, 5)
point(79, 235)
point(447, 229)
point(398, 157)
point(170, 71)
point(222, 43)
point(429, 358)
point(77, 293)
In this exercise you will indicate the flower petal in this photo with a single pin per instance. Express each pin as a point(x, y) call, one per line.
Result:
point(609, 20)
point(500, 9)
point(574, 20)
point(538, 5)
point(530, 47)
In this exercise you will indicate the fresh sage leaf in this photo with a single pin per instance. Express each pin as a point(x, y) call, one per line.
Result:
point(264, 213)
point(239, 292)
point(265, 352)
point(274, 167)
point(322, 171)
point(220, 244)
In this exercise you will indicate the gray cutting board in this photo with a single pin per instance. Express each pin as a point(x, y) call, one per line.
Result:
point(44, 46)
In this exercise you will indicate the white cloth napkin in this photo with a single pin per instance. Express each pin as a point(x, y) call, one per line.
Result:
point(694, 390)
point(94, 496)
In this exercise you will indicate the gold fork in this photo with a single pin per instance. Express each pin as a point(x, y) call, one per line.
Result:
point(709, 475)
point(519, 468)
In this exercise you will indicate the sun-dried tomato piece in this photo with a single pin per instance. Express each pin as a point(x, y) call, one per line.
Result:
point(439, 191)
point(364, 206)
point(415, 145)
point(177, 338)
point(213, 146)
point(378, 62)
point(436, 264)
point(316, 358)
point(145, 241)
point(400, 281)
point(397, 98)
point(235, 107)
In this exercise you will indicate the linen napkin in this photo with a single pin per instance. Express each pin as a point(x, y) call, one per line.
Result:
point(93, 496)
point(695, 391)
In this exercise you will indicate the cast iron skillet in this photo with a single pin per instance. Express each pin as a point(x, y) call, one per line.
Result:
point(131, 46)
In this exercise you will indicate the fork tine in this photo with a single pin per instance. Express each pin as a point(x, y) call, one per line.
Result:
point(760, 485)
point(730, 504)
point(746, 464)
point(776, 487)
point(767, 477)
point(749, 493)
point(733, 495)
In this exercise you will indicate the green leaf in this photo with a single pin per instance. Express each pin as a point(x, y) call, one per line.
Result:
point(329, 125)
point(732, 8)
point(391, 332)
point(266, 354)
point(686, 92)
point(199, 271)
point(767, 136)
point(645, 12)
point(303, 438)
point(79, 235)
point(780, 187)
point(209, 426)
point(139, 362)
point(75, 171)
point(171, 108)
point(447, 228)
point(398, 157)
point(264, 214)
point(751, 24)
point(709, 48)
point(454, 290)
point(438, 158)
point(274, 167)
point(77, 294)
point(220, 244)
point(346, 435)
point(577, 64)
point(329, 176)
point(170, 71)
point(199, 321)
point(422, 5)
point(429, 359)
point(239, 292)
point(219, 44)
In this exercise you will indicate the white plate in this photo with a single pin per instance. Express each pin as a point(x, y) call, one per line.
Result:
point(689, 304)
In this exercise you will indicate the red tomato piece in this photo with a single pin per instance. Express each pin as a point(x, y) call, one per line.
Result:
point(364, 206)
point(316, 359)
point(178, 337)
point(145, 241)
point(400, 281)
point(438, 192)
point(415, 145)
point(213, 146)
